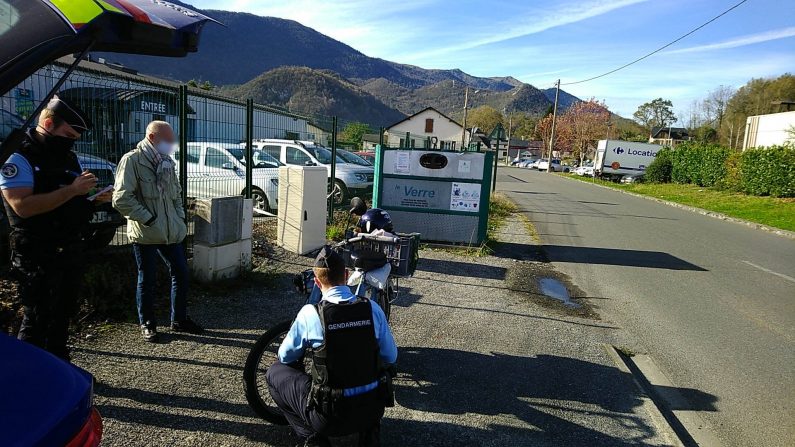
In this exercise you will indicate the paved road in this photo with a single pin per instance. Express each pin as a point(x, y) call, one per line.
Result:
point(712, 302)
point(480, 364)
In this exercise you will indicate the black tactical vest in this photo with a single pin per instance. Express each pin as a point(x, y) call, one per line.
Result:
point(52, 170)
point(349, 355)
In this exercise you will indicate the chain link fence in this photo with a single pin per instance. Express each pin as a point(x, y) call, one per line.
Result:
point(227, 146)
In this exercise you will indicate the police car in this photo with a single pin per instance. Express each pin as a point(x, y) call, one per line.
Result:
point(46, 401)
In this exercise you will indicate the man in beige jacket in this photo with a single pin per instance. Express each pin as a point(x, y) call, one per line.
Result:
point(148, 194)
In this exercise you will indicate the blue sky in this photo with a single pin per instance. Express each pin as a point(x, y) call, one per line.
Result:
point(538, 42)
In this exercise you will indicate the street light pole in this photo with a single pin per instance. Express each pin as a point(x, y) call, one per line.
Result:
point(554, 117)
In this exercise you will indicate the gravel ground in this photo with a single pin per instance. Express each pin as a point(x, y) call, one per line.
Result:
point(484, 361)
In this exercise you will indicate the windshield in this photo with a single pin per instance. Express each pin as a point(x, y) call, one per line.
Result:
point(323, 155)
point(350, 157)
point(262, 159)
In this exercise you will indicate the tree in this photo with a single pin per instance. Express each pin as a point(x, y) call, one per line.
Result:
point(354, 133)
point(206, 85)
point(562, 132)
point(524, 126)
point(657, 113)
point(715, 104)
point(588, 122)
point(484, 117)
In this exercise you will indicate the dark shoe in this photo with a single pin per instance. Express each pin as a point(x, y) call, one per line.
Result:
point(187, 325)
point(149, 331)
point(317, 441)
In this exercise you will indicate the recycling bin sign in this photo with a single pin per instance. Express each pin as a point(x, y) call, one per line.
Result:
point(442, 195)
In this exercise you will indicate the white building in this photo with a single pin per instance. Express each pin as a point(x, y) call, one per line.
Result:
point(429, 129)
point(769, 130)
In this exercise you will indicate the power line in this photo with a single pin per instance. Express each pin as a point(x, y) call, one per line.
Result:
point(659, 49)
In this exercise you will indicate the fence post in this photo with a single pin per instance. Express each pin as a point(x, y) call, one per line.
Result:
point(333, 166)
point(249, 146)
point(183, 147)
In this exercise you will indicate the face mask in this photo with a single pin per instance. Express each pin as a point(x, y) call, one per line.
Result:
point(165, 148)
point(59, 143)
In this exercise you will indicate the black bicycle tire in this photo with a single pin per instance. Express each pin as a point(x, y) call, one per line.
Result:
point(250, 374)
point(383, 302)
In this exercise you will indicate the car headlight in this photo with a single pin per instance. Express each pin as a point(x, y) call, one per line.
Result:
point(360, 177)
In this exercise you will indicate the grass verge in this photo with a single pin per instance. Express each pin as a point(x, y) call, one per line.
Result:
point(770, 211)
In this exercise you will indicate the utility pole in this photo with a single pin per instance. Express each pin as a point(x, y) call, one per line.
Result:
point(554, 118)
point(508, 149)
point(464, 132)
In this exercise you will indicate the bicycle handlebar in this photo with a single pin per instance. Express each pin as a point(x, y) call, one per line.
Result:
point(369, 237)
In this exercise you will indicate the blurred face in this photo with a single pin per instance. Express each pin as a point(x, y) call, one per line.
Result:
point(163, 135)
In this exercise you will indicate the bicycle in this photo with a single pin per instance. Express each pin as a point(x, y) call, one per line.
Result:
point(377, 262)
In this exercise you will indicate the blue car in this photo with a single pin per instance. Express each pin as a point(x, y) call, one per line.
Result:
point(45, 401)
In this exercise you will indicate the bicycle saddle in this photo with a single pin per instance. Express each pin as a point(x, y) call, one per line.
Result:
point(368, 259)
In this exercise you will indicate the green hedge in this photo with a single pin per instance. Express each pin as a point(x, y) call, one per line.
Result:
point(699, 164)
point(768, 171)
point(761, 171)
point(659, 171)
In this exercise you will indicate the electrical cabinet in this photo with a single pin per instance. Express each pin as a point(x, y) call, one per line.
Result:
point(301, 224)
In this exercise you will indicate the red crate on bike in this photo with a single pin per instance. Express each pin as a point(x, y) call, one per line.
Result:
point(403, 255)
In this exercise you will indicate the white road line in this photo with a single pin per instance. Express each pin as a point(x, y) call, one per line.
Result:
point(781, 275)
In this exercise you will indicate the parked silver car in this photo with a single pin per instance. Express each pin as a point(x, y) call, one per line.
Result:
point(349, 179)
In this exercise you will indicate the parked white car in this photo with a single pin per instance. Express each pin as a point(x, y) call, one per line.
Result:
point(349, 179)
point(543, 165)
point(634, 178)
point(585, 170)
point(219, 170)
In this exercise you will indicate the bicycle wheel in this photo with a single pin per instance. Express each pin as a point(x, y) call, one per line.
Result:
point(261, 357)
point(384, 298)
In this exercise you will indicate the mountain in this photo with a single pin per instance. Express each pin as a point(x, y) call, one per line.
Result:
point(249, 51)
point(316, 92)
point(565, 100)
point(448, 97)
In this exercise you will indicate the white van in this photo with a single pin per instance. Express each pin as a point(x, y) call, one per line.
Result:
point(349, 179)
point(219, 170)
point(615, 159)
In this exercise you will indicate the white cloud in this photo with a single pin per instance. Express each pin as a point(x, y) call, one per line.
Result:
point(741, 41)
point(532, 21)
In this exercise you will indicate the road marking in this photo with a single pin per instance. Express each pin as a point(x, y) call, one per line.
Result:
point(780, 275)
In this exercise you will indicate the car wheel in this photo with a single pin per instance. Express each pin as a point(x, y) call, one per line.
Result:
point(339, 194)
point(260, 200)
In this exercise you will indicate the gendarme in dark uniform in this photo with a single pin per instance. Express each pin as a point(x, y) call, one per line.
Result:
point(45, 194)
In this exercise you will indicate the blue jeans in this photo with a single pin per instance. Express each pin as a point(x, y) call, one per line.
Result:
point(174, 257)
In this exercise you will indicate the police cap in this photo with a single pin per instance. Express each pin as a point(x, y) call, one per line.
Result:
point(69, 113)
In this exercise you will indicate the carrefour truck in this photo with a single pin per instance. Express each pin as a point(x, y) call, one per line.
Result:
point(615, 159)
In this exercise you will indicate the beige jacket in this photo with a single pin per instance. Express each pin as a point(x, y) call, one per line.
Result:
point(138, 198)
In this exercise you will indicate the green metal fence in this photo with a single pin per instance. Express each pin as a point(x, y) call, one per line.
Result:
point(227, 146)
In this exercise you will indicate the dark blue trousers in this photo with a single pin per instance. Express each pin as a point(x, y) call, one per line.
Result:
point(146, 256)
point(289, 387)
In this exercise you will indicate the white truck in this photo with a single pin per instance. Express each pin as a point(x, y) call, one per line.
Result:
point(615, 159)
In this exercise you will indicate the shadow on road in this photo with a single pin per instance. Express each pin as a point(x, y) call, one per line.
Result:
point(614, 256)
point(561, 399)
point(457, 268)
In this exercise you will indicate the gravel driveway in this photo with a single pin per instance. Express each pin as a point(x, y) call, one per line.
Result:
point(484, 361)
